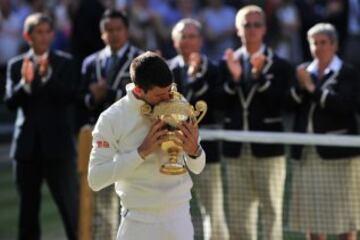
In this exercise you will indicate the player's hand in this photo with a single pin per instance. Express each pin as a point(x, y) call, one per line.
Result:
point(233, 65)
point(27, 70)
point(189, 137)
point(153, 139)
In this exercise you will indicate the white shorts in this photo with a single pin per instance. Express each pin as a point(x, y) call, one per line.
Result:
point(176, 225)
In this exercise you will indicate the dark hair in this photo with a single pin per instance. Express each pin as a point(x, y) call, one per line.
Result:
point(111, 13)
point(36, 19)
point(149, 70)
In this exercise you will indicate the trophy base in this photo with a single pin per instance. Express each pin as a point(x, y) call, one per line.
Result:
point(173, 169)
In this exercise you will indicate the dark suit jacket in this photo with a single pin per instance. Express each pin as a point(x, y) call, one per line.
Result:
point(43, 126)
point(202, 88)
point(94, 66)
point(331, 108)
point(261, 107)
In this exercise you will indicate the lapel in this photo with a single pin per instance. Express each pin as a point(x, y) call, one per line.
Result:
point(176, 65)
point(52, 60)
point(329, 80)
point(124, 65)
point(100, 64)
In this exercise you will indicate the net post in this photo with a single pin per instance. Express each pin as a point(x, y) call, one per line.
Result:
point(86, 195)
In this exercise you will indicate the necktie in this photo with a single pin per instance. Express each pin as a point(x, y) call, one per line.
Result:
point(319, 81)
point(182, 85)
point(247, 74)
point(327, 76)
point(247, 68)
point(111, 69)
point(315, 79)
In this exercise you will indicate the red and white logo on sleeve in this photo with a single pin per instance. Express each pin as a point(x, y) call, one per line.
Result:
point(102, 144)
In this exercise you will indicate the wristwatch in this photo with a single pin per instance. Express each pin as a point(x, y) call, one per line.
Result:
point(197, 153)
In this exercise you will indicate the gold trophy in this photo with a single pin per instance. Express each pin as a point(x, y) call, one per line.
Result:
point(173, 112)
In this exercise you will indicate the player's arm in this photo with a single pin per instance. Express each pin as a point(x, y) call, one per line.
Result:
point(107, 165)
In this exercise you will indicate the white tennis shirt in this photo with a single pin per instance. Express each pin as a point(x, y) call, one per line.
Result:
point(114, 158)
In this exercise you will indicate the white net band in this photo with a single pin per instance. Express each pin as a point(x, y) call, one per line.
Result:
point(284, 138)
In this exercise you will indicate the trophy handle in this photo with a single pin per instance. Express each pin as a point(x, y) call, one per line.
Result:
point(200, 110)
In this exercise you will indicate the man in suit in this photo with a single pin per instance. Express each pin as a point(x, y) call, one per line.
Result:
point(255, 84)
point(196, 78)
point(104, 76)
point(41, 87)
point(105, 73)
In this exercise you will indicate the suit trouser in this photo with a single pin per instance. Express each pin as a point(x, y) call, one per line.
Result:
point(252, 183)
point(208, 188)
point(60, 176)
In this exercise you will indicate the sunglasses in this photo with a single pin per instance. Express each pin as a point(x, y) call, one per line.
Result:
point(253, 25)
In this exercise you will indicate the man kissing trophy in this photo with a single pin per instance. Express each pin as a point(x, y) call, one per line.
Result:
point(173, 112)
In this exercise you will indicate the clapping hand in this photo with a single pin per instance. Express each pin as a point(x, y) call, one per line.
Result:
point(258, 62)
point(304, 78)
point(99, 89)
point(27, 70)
point(194, 63)
point(43, 66)
point(233, 65)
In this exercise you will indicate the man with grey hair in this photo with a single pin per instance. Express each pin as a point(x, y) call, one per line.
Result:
point(325, 195)
point(326, 29)
point(196, 78)
point(255, 83)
